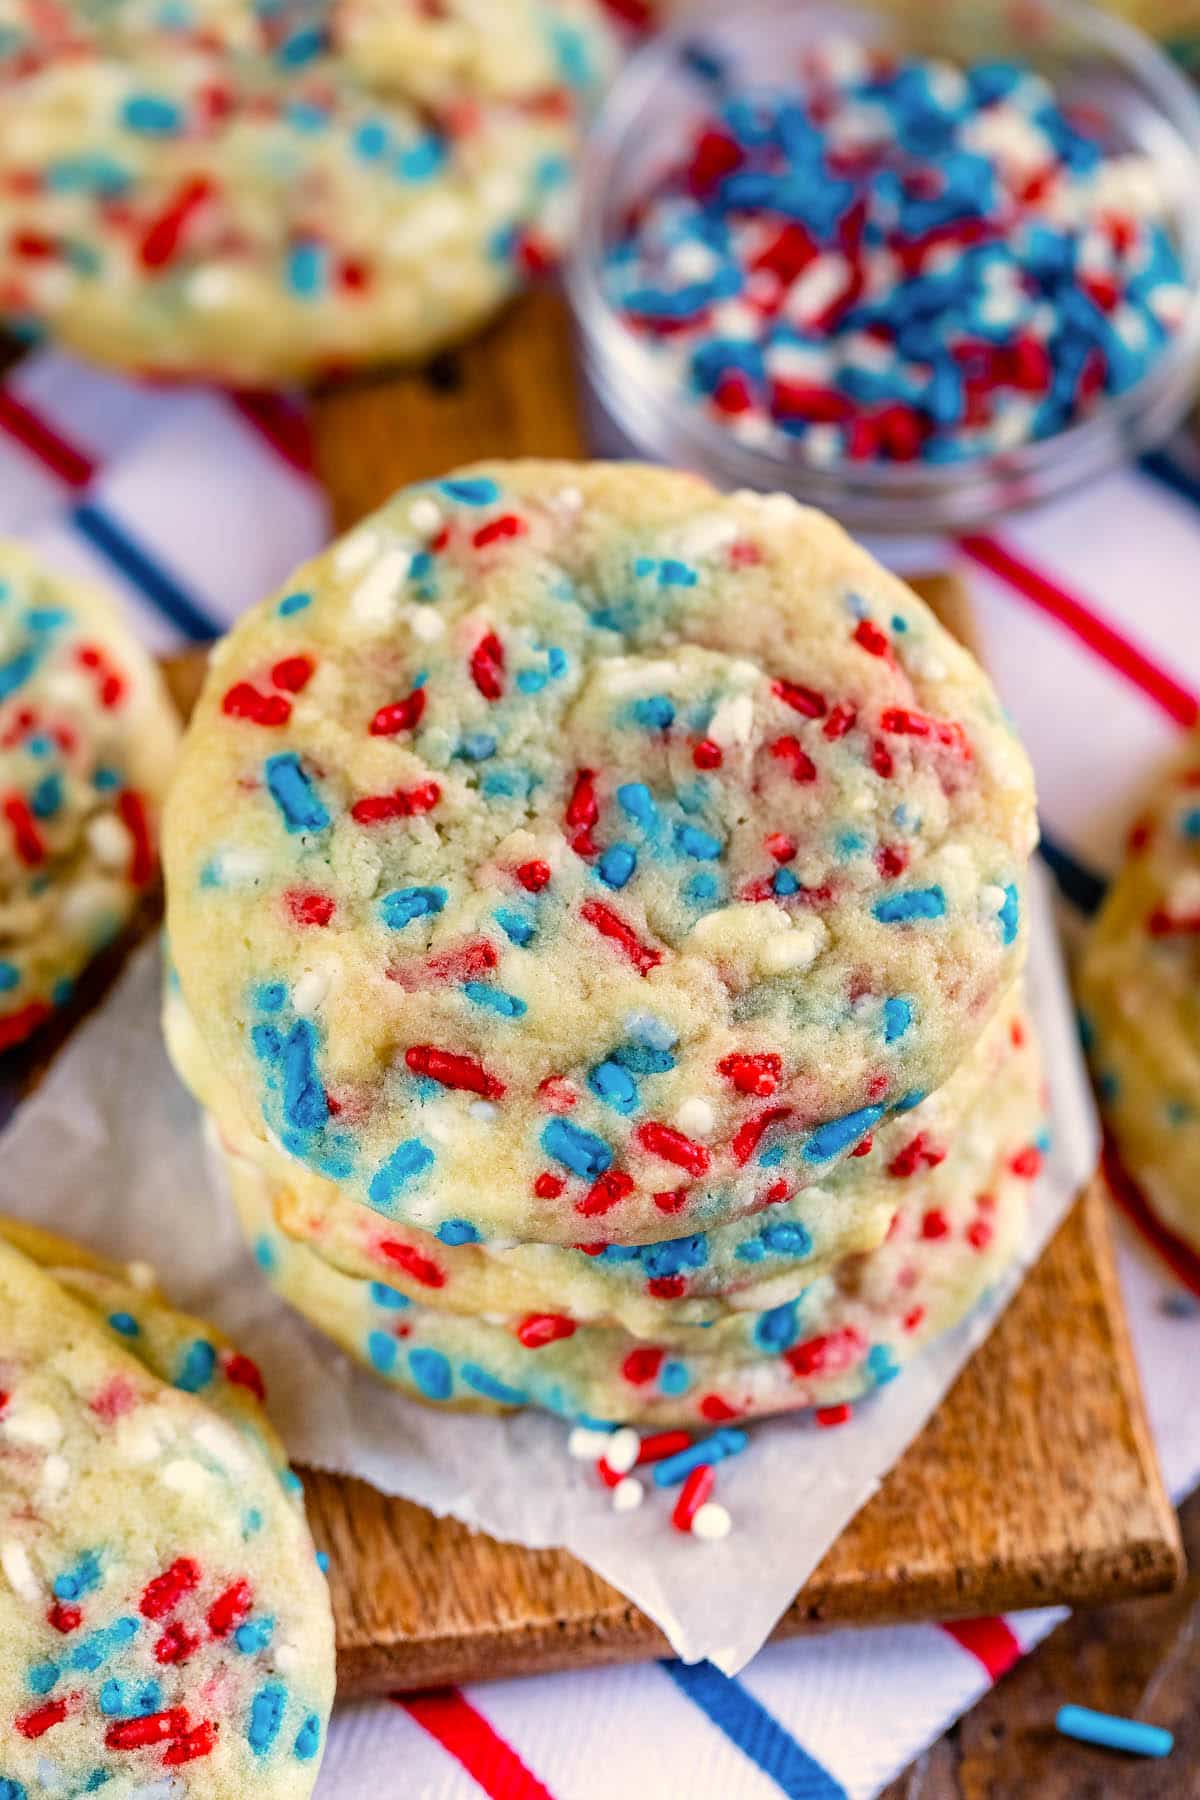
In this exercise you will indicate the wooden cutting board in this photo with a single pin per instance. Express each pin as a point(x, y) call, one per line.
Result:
point(1035, 1482)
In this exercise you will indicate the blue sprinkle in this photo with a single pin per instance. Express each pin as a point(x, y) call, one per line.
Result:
point(644, 1058)
point(516, 927)
point(125, 1323)
point(301, 47)
point(294, 794)
point(293, 603)
point(305, 1104)
point(389, 1298)
point(674, 1469)
point(291, 1484)
point(490, 1387)
point(151, 115)
point(15, 673)
point(616, 865)
point(98, 1646)
point(196, 1369)
point(371, 140)
point(382, 1351)
point(694, 842)
point(10, 976)
point(417, 162)
point(918, 903)
point(673, 1378)
point(655, 714)
point(614, 1086)
point(1009, 915)
point(80, 1580)
point(322, 1560)
point(474, 490)
point(406, 1162)
point(477, 746)
point(403, 905)
point(786, 1237)
point(252, 1523)
point(652, 1031)
point(676, 574)
point(897, 1017)
point(494, 999)
point(308, 1739)
point(556, 661)
point(581, 1151)
point(785, 883)
point(636, 800)
point(12, 1790)
point(306, 268)
point(701, 888)
point(906, 1102)
point(1189, 825)
point(42, 1677)
point(838, 1135)
point(881, 1365)
point(1113, 1732)
point(431, 1372)
point(264, 1254)
point(254, 1635)
point(777, 1329)
point(457, 1231)
point(532, 681)
point(266, 1716)
point(46, 797)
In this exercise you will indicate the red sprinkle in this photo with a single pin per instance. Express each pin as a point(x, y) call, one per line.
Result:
point(831, 1354)
point(465, 963)
point(487, 664)
point(405, 803)
point(840, 721)
point(176, 1644)
point(16, 1026)
point(902, 721)
point(191, 1745)
point(708, 755)
point(132, 813)
point(160, 239)
point(717, 1411)
point(309, 908)
point(803, 700)
point(508, 525)
point(881, 759)
point(891, 860)
point(243, 701)
point(673, 1147)
point(864, 1146)
point(1027, 1162)
point(609, 924)
point(834, 1415)
point(452, 1070)
point(151, 1728)
point(749, 1135)
point(980, 1233)
point(547, 1186)
point(398, 715)
point(667, 1287)
point(293, 673)
point(27, 840)
point(695, 1491)
point(790, 750)
point(583, 812)
point(935, 1225)
point(164, 1593)
point(64, 1618)
point(533, 876)
point(673, 1200)
point(661, 1443)
point(869, 638)
point(919, 1152)
point(753, 1074)
point(537, 1330)
point(642, 1365)
point(242, 1371)
point(230, 1609)
point(36, 1724)
point(607, 1191)
point(414, 1262)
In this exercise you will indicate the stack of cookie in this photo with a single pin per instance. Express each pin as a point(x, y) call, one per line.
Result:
point(1139, 982)
point(164, 1625)
point(597, 916)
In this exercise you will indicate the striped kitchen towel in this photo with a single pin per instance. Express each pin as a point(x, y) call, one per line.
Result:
point(190, 504)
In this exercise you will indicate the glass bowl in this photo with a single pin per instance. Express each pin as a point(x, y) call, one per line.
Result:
point(1091, 60)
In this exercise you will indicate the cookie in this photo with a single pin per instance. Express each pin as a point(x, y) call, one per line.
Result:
point(163, 1624)
point(255, 194)
point(960, 1225)
point(575, 853)
point(1139, 991)
point(663, 1289)
point(87, 743)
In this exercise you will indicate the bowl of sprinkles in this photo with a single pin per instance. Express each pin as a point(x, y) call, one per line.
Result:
point(918, 265)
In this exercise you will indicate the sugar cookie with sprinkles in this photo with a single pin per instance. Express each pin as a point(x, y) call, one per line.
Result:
point(661, 1290)
point(1139, 990)
point(164, 1628)
point(578, 852)
point(260, 193)
point(961, 1224)
point(88, 738)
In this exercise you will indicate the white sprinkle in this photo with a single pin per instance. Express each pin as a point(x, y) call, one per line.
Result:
point(482, 1109)
point(424, 624)
point(187, 1478)
point(240, 868)
point(375, 602)
point(425, 515)
point(32, 1423)
point(586, 1445)
point(695, 1117)
point(733, 721)
point(711, 1522)
point(285, 1657)
point(18, 1570)
point(213, 287)
point(109, 841)
point(311, 988)
point(991, 897)
point(355, 552)
point(621, 1450)
point(628, 1495)
point(222, 1444)
point(140, 1440)
point(141, 1275)
point(56, 1472)
point(570, 499)
point(795, 949)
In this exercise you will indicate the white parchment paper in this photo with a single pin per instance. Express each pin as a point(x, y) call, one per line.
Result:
point(110, 1151)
